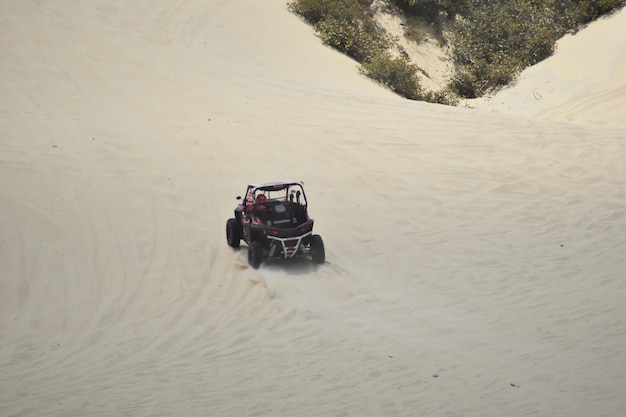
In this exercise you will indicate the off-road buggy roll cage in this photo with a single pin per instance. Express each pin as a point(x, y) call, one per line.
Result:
point(273, 220)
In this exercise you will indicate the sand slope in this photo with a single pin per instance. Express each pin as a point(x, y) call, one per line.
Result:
point(475, 260)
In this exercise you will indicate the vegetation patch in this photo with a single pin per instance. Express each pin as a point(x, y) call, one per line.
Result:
point(418, 30)
point(491, 41)
point(348, 26)
point(494, 40)
point(396, 73)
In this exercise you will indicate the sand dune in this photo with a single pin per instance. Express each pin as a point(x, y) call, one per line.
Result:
point(475, 259)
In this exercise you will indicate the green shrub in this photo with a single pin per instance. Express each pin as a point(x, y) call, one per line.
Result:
point(444, 96)
point(396, 73)
point(432, 9)
point(589, 10)
point(316, 11)
point(496, 39)
point(344, 25)
point(475, 80)
point(359, 39)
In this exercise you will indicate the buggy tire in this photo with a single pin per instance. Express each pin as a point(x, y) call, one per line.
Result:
point(255, 254)
point(318, 255)
point(233, 233)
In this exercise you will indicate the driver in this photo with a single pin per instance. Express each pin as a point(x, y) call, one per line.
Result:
point(260, 203)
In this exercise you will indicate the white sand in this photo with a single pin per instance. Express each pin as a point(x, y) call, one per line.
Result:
point(476, 260)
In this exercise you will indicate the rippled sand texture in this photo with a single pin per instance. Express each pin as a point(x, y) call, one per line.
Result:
point(476, 260)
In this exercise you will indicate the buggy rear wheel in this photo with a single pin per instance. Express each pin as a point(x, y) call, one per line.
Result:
point(233, 234)
point(318, 255)
point(255, 254)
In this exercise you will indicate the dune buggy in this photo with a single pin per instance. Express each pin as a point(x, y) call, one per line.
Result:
point(273, 220)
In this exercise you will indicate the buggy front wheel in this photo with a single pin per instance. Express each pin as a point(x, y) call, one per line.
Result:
point(233, 234)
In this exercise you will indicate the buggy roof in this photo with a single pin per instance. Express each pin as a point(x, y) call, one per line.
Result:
point(274, 186)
